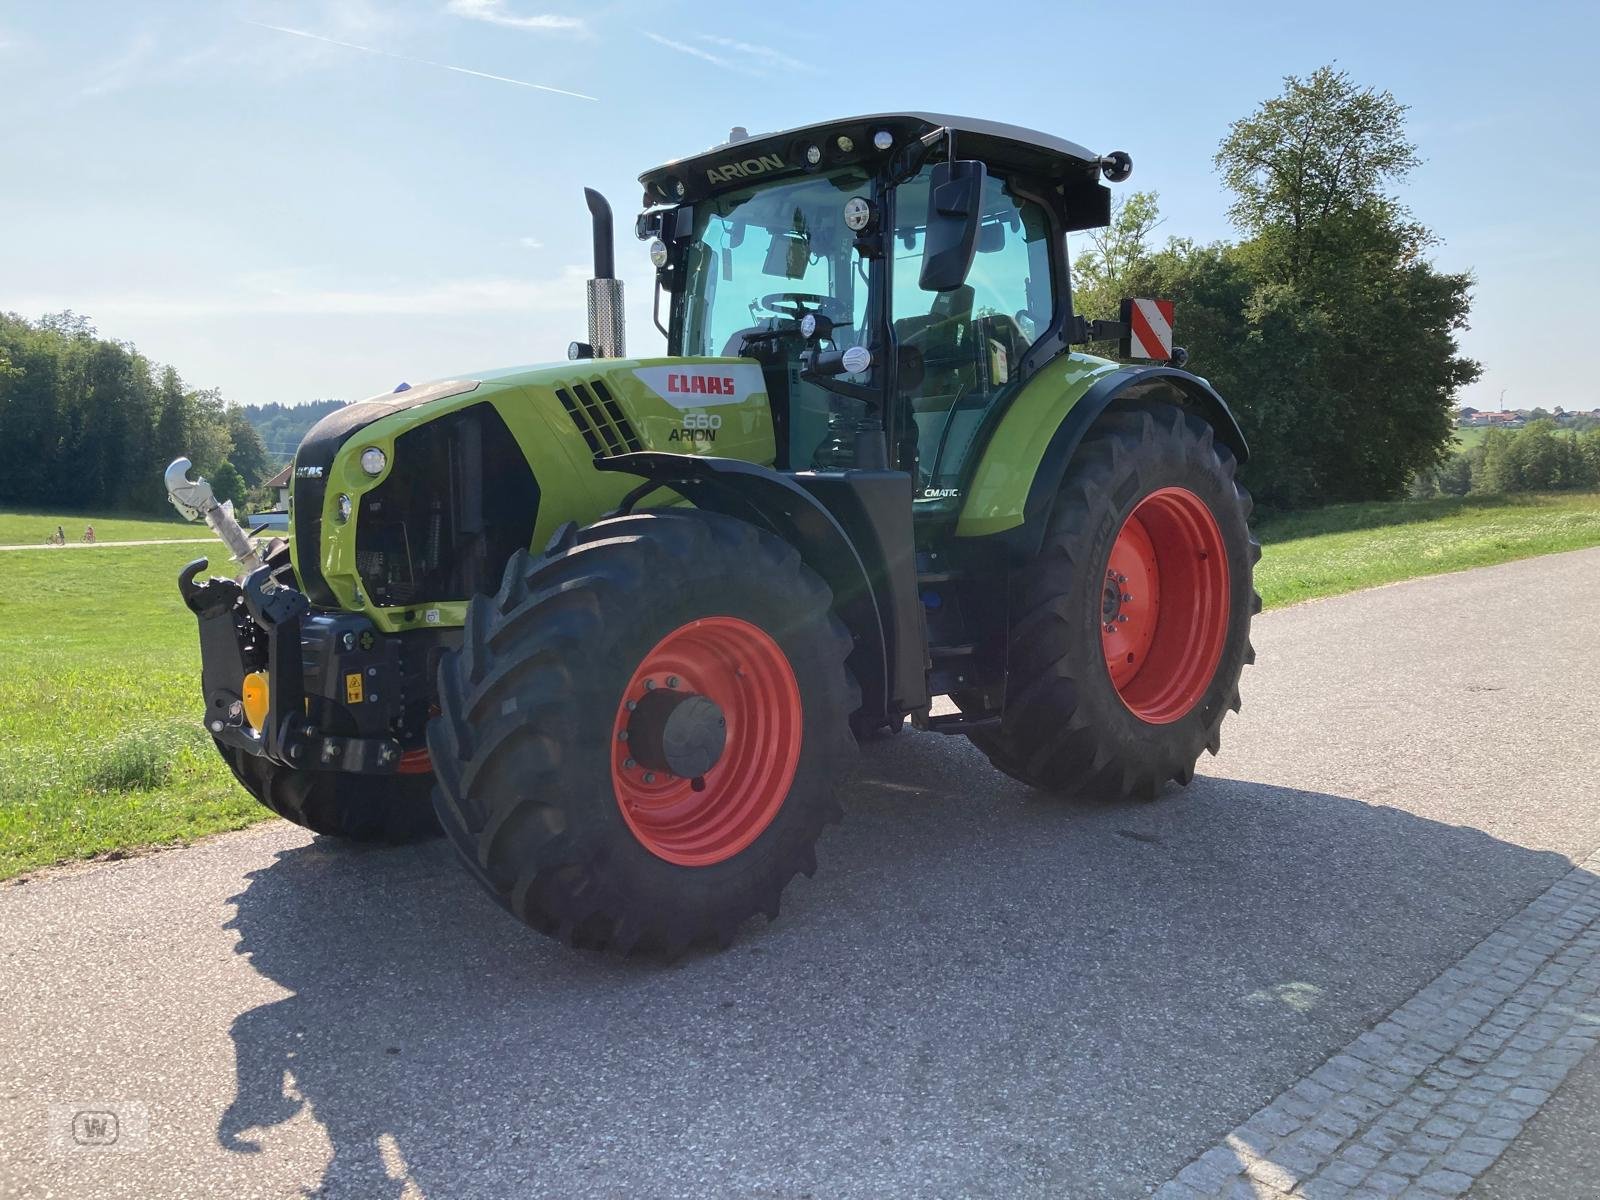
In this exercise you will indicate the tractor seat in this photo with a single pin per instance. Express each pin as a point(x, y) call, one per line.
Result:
point(944, 339)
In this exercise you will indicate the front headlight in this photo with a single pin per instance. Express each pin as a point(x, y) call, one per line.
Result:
point(373, 460)
point(343, 507)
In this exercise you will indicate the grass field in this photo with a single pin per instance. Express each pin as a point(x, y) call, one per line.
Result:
point(1351, 546)
point(99, 667)
point(99, 676)
point(25, 528)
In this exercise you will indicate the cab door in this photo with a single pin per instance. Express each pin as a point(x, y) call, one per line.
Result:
point(960, 351)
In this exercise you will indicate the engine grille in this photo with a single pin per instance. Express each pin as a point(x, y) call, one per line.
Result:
point(599, 418)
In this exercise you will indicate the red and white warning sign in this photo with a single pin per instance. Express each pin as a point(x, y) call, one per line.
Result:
point(1149, 329)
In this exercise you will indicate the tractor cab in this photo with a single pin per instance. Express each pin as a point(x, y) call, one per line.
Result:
point(897, 277)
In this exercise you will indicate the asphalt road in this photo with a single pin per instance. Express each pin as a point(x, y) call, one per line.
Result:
point(983, 992)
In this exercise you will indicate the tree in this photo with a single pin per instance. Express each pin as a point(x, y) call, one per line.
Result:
point(248, 456)
point(1312, 161)
point(1536, 457)
point(45, 407)
point(1494, 468)
point(1588, 444)
point(88, 422)
point(209, 440)
point(228, 484)
point(1101, 273)
point(1354, 380)
point(1455, 475)
point(282, 426)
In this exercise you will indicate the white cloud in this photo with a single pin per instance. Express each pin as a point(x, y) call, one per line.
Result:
point(696, 52)
point(530, 243)
point(730, 54)
point(358, 16)
point(494, 12)
point(123, 70)
point(237, 51)
point(766, 56)
point(421, 62)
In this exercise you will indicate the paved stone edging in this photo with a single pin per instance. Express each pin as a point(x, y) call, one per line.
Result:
point(1425, 1102)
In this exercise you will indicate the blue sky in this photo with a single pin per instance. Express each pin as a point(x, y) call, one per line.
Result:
point(286, 218)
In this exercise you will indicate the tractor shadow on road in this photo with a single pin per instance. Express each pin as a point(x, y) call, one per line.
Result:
point(983, 990)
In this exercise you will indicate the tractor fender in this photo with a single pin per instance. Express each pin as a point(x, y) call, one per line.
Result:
point(776, 502)
point(1167, 384)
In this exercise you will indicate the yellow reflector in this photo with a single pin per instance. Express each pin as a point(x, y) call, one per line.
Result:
point(257, 699)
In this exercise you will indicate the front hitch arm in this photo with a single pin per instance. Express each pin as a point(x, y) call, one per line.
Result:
point(196, 501)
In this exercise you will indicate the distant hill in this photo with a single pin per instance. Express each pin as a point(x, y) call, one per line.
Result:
point(281, 426)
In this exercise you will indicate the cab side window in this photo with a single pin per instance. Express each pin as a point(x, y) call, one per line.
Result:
point(960, 349)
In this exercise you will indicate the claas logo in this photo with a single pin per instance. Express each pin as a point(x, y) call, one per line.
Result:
point(701, 385)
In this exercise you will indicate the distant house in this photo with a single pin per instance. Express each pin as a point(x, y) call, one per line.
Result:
point(278, 516)
point(280, 484)
point(1477, 419)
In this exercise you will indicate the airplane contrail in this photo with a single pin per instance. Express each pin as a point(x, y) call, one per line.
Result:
point(423, 62)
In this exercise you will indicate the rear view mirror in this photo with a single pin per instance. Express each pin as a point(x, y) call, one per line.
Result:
point(955, 204)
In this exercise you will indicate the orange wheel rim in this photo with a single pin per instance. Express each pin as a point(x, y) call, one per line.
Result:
point(1165, 605)
point(716, 696)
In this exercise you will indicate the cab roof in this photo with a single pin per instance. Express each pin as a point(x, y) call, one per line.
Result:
point(741, 162)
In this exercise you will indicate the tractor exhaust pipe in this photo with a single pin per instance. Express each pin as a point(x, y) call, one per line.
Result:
point(605, 289)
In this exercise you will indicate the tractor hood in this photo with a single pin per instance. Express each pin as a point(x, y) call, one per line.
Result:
point(680, 383)
point(464, 471)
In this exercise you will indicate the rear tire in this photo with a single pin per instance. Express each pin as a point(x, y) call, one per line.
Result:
point(390, 809)
point(1091, 707)
point(538, 788)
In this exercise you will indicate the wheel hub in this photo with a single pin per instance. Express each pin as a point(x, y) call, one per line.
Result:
point(678, 733)
point(706, 741)
point(1112, 600)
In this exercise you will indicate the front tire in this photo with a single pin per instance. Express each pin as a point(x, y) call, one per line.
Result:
point(640, 738)
point(387, 809)
point(1132, 625)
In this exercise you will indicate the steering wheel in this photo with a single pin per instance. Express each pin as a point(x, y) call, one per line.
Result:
point(795, 301)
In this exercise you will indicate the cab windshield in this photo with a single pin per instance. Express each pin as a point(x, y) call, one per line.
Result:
point(763, 257)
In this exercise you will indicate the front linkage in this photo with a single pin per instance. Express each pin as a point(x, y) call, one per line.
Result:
point(255, 631)
point(259, 640)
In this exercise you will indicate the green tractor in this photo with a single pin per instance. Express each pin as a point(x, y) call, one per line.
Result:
point(617, 624)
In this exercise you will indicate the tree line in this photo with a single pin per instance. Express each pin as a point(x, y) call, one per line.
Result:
point(90, 423)
point(1325, 326)
point(281, 426)
point(1540, 457)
